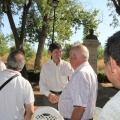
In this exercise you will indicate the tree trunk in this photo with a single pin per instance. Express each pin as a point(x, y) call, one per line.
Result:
point(18, 39)
point(39, 54)
point(41, 43)
point(117, 6)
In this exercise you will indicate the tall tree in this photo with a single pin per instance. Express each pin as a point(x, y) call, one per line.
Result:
point(68, 14)
point(38, 15)
point(10, 8)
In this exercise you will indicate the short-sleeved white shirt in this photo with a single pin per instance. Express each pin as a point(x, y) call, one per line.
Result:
point(80, 91)
point(17, 93)
point(2, 65)
point(111, 110)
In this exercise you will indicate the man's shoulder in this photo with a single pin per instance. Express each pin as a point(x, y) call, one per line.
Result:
point(24, 82)
point(64, 61)
point(47, 62)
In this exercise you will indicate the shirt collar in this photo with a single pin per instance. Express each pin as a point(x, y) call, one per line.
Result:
point(80, 66)
point(13, 71)
point(54, 62)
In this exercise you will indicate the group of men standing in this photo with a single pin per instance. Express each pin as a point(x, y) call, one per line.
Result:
point(70, 88)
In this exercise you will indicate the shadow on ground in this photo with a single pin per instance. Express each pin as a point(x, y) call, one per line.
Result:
point(105, 92)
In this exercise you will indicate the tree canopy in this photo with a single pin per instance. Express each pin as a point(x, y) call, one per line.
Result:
point(36, 21)
point(3, 45)
point(114, 7)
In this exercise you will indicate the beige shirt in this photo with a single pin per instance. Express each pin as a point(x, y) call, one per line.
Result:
point(54, 77)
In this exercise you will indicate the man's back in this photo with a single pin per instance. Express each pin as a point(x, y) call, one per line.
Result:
point(17, 93)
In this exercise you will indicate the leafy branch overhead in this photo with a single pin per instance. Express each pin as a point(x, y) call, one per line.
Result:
point(114, 7)
point(69, 14)
point(36, 21)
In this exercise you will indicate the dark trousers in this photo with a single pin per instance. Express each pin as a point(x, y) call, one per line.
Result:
point(48, 103)
point(69, 119)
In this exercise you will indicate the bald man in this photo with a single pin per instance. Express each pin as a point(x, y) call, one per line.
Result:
point(78, 99)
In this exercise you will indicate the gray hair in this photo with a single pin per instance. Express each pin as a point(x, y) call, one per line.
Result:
point(81, 52)
point(16, 60)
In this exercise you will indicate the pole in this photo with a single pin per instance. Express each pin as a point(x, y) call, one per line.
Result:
point(53, 26)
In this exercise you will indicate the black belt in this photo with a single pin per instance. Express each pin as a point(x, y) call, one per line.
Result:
point(69, 119)
point(56, 93)
point(66, 119)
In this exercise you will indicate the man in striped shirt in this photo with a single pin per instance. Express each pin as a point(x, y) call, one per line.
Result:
point(111, 111)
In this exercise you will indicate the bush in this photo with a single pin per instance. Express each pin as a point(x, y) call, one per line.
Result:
point(33, 76)
point(102, 78)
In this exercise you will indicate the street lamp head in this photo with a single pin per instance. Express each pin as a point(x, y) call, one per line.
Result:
point(55, 3)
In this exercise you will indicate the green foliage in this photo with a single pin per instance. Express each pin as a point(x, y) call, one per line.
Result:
point(29, 51)
point(13, 48)
point(65, 51)
point(68, 14)
point(3, 45)
point(92, 22)
point(67, 48)
point(100, 52)
point(10, 40)
point(36, 23)
point(45, 53)
point(115, 11)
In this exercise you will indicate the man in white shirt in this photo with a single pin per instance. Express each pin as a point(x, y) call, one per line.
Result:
point(111, 110)
point(78, 99)
point(16, 96)
point(2, 65)
point(54, 76)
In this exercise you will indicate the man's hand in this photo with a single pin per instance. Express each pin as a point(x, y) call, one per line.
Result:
point(53, 98)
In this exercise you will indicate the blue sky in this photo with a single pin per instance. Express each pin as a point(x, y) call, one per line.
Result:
point(104, 29)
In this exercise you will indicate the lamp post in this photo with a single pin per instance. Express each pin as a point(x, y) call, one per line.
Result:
point(54, 5)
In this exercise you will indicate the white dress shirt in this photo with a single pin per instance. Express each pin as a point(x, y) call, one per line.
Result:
point(2, 65)
point(111, 110)
point(54, 77)
point(80, 91)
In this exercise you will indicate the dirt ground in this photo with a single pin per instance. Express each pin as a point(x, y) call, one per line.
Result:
point(105, 92)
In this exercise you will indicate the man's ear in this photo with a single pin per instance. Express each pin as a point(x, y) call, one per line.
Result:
point(74, 57)
point(113, 64)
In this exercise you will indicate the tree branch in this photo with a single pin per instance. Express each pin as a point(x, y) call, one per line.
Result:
point(117, 6)
point(24, 18)
point(12, 23)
